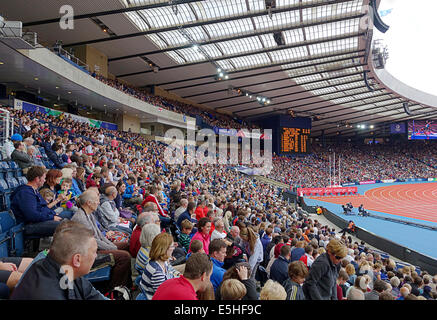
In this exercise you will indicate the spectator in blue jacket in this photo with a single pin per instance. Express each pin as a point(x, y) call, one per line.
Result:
point(267, 237)
point(31, 209)
point(298, 251)
point(131, 195)
point(217, 253)
point(279, 269)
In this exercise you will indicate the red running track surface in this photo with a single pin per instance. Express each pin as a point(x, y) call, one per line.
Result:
point(418, 201)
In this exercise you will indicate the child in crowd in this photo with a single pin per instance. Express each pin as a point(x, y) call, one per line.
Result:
point(48, 195)
point(297, 271)
point(196, 246)
point(184, 237)
point(68, 203)
point(232, 289)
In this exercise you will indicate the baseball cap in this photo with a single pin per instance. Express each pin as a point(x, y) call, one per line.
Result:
point(16, 137)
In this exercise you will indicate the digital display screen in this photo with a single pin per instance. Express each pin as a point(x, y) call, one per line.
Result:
point(295, 140)
point(422, 129)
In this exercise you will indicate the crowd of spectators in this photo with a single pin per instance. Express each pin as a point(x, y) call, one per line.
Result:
point(355, 163)
point(211, 118)
point(196, 231)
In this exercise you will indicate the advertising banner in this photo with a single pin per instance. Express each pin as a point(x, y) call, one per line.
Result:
point(349, 184)
point(342, 190)
point(368, 182)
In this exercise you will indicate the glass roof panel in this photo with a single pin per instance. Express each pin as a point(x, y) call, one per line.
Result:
point(173, 38)
point(289, 18)
point(175, 57)
point(315, 85)
point(345, 79)
point(256, 5)
point(288, 54)
point(164, 16)
point(334, 46)
point(191, 55)
point(240, 45)
point(303, 79)
point(157, 40)
point(332, 29)
point(293, 36)
point(227, 28)
point(251, 61)
point(212, 51)
point(137, 21)
point(225, 65)
point(213, 9)
point(300, 71)
point(323, 91)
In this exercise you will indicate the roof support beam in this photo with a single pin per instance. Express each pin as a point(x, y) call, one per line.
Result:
point(408, 117)
point(340, 109)
point(293, 93)
point(312, 97)
point(306, 104)
point(309, 59)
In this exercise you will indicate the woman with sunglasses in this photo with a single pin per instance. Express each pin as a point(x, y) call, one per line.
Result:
point(320, 283)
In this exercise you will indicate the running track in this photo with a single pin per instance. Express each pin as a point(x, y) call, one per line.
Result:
point(417, 201)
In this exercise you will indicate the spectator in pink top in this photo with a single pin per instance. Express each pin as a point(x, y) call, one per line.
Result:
point(202, 234)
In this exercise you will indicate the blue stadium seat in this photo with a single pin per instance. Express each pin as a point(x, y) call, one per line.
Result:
point(4, 167)
point(7, 221)
point(12, 183)
point(13, 165)
point(16, 234)
point(3, 185)
point(18, 172)
point(4, 244)
point(22, 180)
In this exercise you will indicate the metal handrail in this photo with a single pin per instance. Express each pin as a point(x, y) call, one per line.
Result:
point(58, 50)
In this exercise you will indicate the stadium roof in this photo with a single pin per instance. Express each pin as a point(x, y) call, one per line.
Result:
point(310, 56)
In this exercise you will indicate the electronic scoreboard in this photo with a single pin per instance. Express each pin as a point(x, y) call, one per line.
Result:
point(294, 140)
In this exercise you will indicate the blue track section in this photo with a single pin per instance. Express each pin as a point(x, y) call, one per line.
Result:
point(415, 238)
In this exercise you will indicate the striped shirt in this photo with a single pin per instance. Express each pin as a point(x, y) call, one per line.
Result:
point(142, 259)
point(154, 275)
